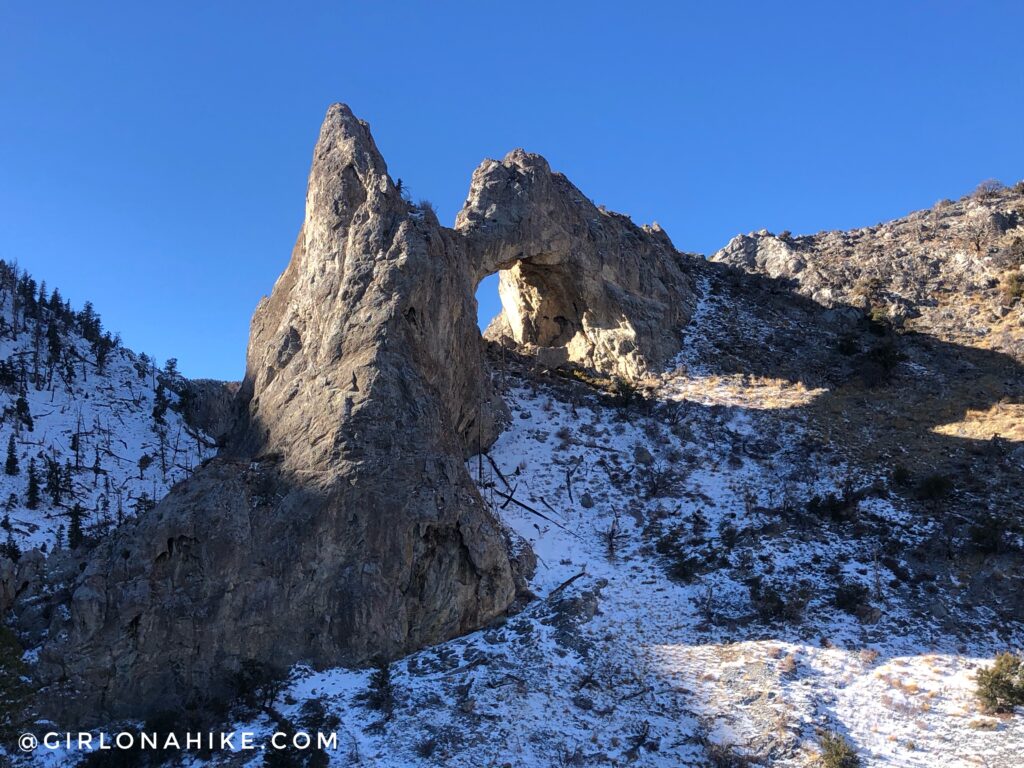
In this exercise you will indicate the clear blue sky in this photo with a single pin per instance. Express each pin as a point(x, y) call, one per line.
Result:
point(153, 155)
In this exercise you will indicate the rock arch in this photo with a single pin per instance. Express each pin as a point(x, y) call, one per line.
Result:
point(340, 521)
point(579, 284)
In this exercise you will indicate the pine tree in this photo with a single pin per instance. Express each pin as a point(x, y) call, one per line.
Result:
point(54, 481)
point(22, 409)
point(54, 344)
point(32, 496)
point(10, 548)
point(160, 404)
point(76, 443)
point(11, 466)
point(14, 693)
point(75, 535)
point(68, 482)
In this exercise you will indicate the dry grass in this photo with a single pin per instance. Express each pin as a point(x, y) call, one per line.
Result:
point(1005, 420)
point(742, 391)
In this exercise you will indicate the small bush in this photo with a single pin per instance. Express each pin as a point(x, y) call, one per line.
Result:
point(988, 188)
point(934, 487)
point(987, 534)
point(1011, 289)
point(849, 596)
point(257, 684)
point(381, 692)
point(1001, 686)
point(625, 391)
point(14, 694)
point(837, 752)
point(784, 603)
point(900, 475)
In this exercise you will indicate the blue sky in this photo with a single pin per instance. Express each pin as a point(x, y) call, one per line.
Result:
point(153, 156)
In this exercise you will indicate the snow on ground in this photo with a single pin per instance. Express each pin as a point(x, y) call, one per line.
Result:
point(109, 415)
point(644, 644)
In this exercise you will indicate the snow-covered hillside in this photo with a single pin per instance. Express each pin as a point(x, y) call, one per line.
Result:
point(723, 578)
point(681, 616)
point(90, 431)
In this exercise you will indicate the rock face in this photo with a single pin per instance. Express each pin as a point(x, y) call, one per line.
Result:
point(578, 284)
point(943, 271)
point(340, 523)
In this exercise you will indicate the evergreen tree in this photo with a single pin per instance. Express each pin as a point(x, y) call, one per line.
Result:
point(67, 484)
point(160, 404)
point(54, 481)
point(11, 466)
point(32, 496)
point(24, 414)
point(101, 348)
point(14, 693)
point(54, 344)
point(10, 548)
point(75, 534)
point(143, 504)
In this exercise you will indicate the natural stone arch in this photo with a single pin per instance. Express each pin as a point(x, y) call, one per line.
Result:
point(578, 284)
point(340, 521)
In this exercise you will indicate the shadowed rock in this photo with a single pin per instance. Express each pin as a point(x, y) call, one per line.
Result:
point(339, 522)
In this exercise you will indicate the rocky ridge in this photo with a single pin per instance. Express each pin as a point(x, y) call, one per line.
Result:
point(339, 522)
point(952, 271)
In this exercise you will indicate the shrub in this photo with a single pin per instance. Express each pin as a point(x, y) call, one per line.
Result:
point(987, 534)
point(837, 752)
point(1011, 289)
point(877, 365)
point(778, 603)
point(849, 596)
point(900, 475)
point(1001, 686)
point(625, 391)
point(257, 684)
point(14, 693)
point(380, 694)
point(934, 487)
point(988, 188)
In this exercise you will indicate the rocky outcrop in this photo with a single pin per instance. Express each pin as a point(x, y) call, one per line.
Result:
point(211, 406)
point(340, 522)
point(578, 284)
point(941, 271)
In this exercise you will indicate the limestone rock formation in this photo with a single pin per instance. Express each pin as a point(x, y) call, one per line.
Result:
point(944, 271)
point(339, 522)
point(578, 284)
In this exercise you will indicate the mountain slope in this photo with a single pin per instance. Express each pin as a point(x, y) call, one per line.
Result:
point(952, 271)
point(97, 425)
